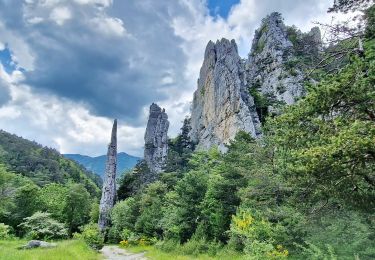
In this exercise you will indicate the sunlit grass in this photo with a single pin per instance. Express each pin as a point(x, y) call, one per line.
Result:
point(69, 249)
point(156, 254)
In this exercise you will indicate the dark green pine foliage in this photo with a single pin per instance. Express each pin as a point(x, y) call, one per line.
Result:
point(180, 149)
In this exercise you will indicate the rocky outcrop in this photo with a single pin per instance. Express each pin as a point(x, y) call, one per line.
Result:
point(109, 187)
point(37, 244)
point(222, 105)
point(231, 91)
point(156, 141)
point(273, 63)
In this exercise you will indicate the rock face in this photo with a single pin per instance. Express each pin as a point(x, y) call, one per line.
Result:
point(225, 100)
point(272, 63)
point(156, 140)
point(222, 105)
point(109, 187)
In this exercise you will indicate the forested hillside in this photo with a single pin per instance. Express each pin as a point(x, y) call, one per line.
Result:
point(43, 165)
point(51, 195)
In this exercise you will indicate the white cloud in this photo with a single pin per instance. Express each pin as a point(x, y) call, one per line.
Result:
point(103, 3)
point(2, 46)
point(59, 123)
point(34, 20)
point(60, 15)
point(109, 26)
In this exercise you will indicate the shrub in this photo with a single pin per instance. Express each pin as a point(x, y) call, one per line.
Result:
point(258, 236)
point(41, 226)
point(4, 231)
point(92, 236)
point(168, 246)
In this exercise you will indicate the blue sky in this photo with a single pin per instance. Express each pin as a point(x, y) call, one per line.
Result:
point(221, 7)
point(85, 62)
point(6, 60)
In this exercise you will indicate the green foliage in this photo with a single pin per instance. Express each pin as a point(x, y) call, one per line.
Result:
point(53, 200)
point(92, 236)
point(133, 182)
point(347, 233)
point(77, 208)
point(94, 212)
point(151, 201)
point(292, 34)
point(259, 236)
point(43, 165)
point(41, 226)
point(180, 149)
point(18, 197)
point(123, 216)
point(5, 231)
point(326, 141)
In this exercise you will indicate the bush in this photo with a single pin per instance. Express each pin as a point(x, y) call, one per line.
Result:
point(41, 226)
point(4, 231)
point(168, 245)
point(258, 236)
point(92, 236)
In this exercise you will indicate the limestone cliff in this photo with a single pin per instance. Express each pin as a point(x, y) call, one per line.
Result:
point(225, 102)
point(109, 187)
point(272, 66)
point(222, 105)
point(156, 140)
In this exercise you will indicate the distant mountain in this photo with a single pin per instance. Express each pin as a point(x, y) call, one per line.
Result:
point(43, 165)
point(97, 164)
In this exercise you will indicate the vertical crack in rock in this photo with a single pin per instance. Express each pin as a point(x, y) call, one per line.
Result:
point(156, 141)
point(109, 187)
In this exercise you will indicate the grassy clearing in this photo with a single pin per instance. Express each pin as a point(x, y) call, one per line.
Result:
point(68, 249)
point(156, 254)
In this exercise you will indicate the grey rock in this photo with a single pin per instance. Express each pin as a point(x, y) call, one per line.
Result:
point(222, 105)
point(156, 141)
point(109, 187)
point(267, 65)
point(38, 243)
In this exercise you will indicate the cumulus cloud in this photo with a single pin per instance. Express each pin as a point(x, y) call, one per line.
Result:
point(60, 15)
point(85, 62)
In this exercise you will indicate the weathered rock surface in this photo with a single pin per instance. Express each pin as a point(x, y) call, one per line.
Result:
point(109, 187)
point(156, 141)
point(272, 65)
point(222, 105)
point(38, 243)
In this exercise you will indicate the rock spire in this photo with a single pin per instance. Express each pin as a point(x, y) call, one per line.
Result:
point(156, 140)
point(109, 186)
point(222, 105)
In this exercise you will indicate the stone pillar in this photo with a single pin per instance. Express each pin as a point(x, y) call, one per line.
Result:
point(156, 141)
point(109, 186)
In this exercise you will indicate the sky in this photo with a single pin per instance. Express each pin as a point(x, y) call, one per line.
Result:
point(69, 67)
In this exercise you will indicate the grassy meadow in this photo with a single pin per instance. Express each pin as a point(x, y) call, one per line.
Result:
point(68, 249)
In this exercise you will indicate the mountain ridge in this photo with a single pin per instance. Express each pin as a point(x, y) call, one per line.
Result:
point(96, 164)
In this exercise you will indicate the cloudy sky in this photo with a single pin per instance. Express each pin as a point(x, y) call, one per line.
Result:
point(68, 67)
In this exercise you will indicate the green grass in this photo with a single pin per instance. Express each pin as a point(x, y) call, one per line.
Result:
point(68, 249)
point(156, 254)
